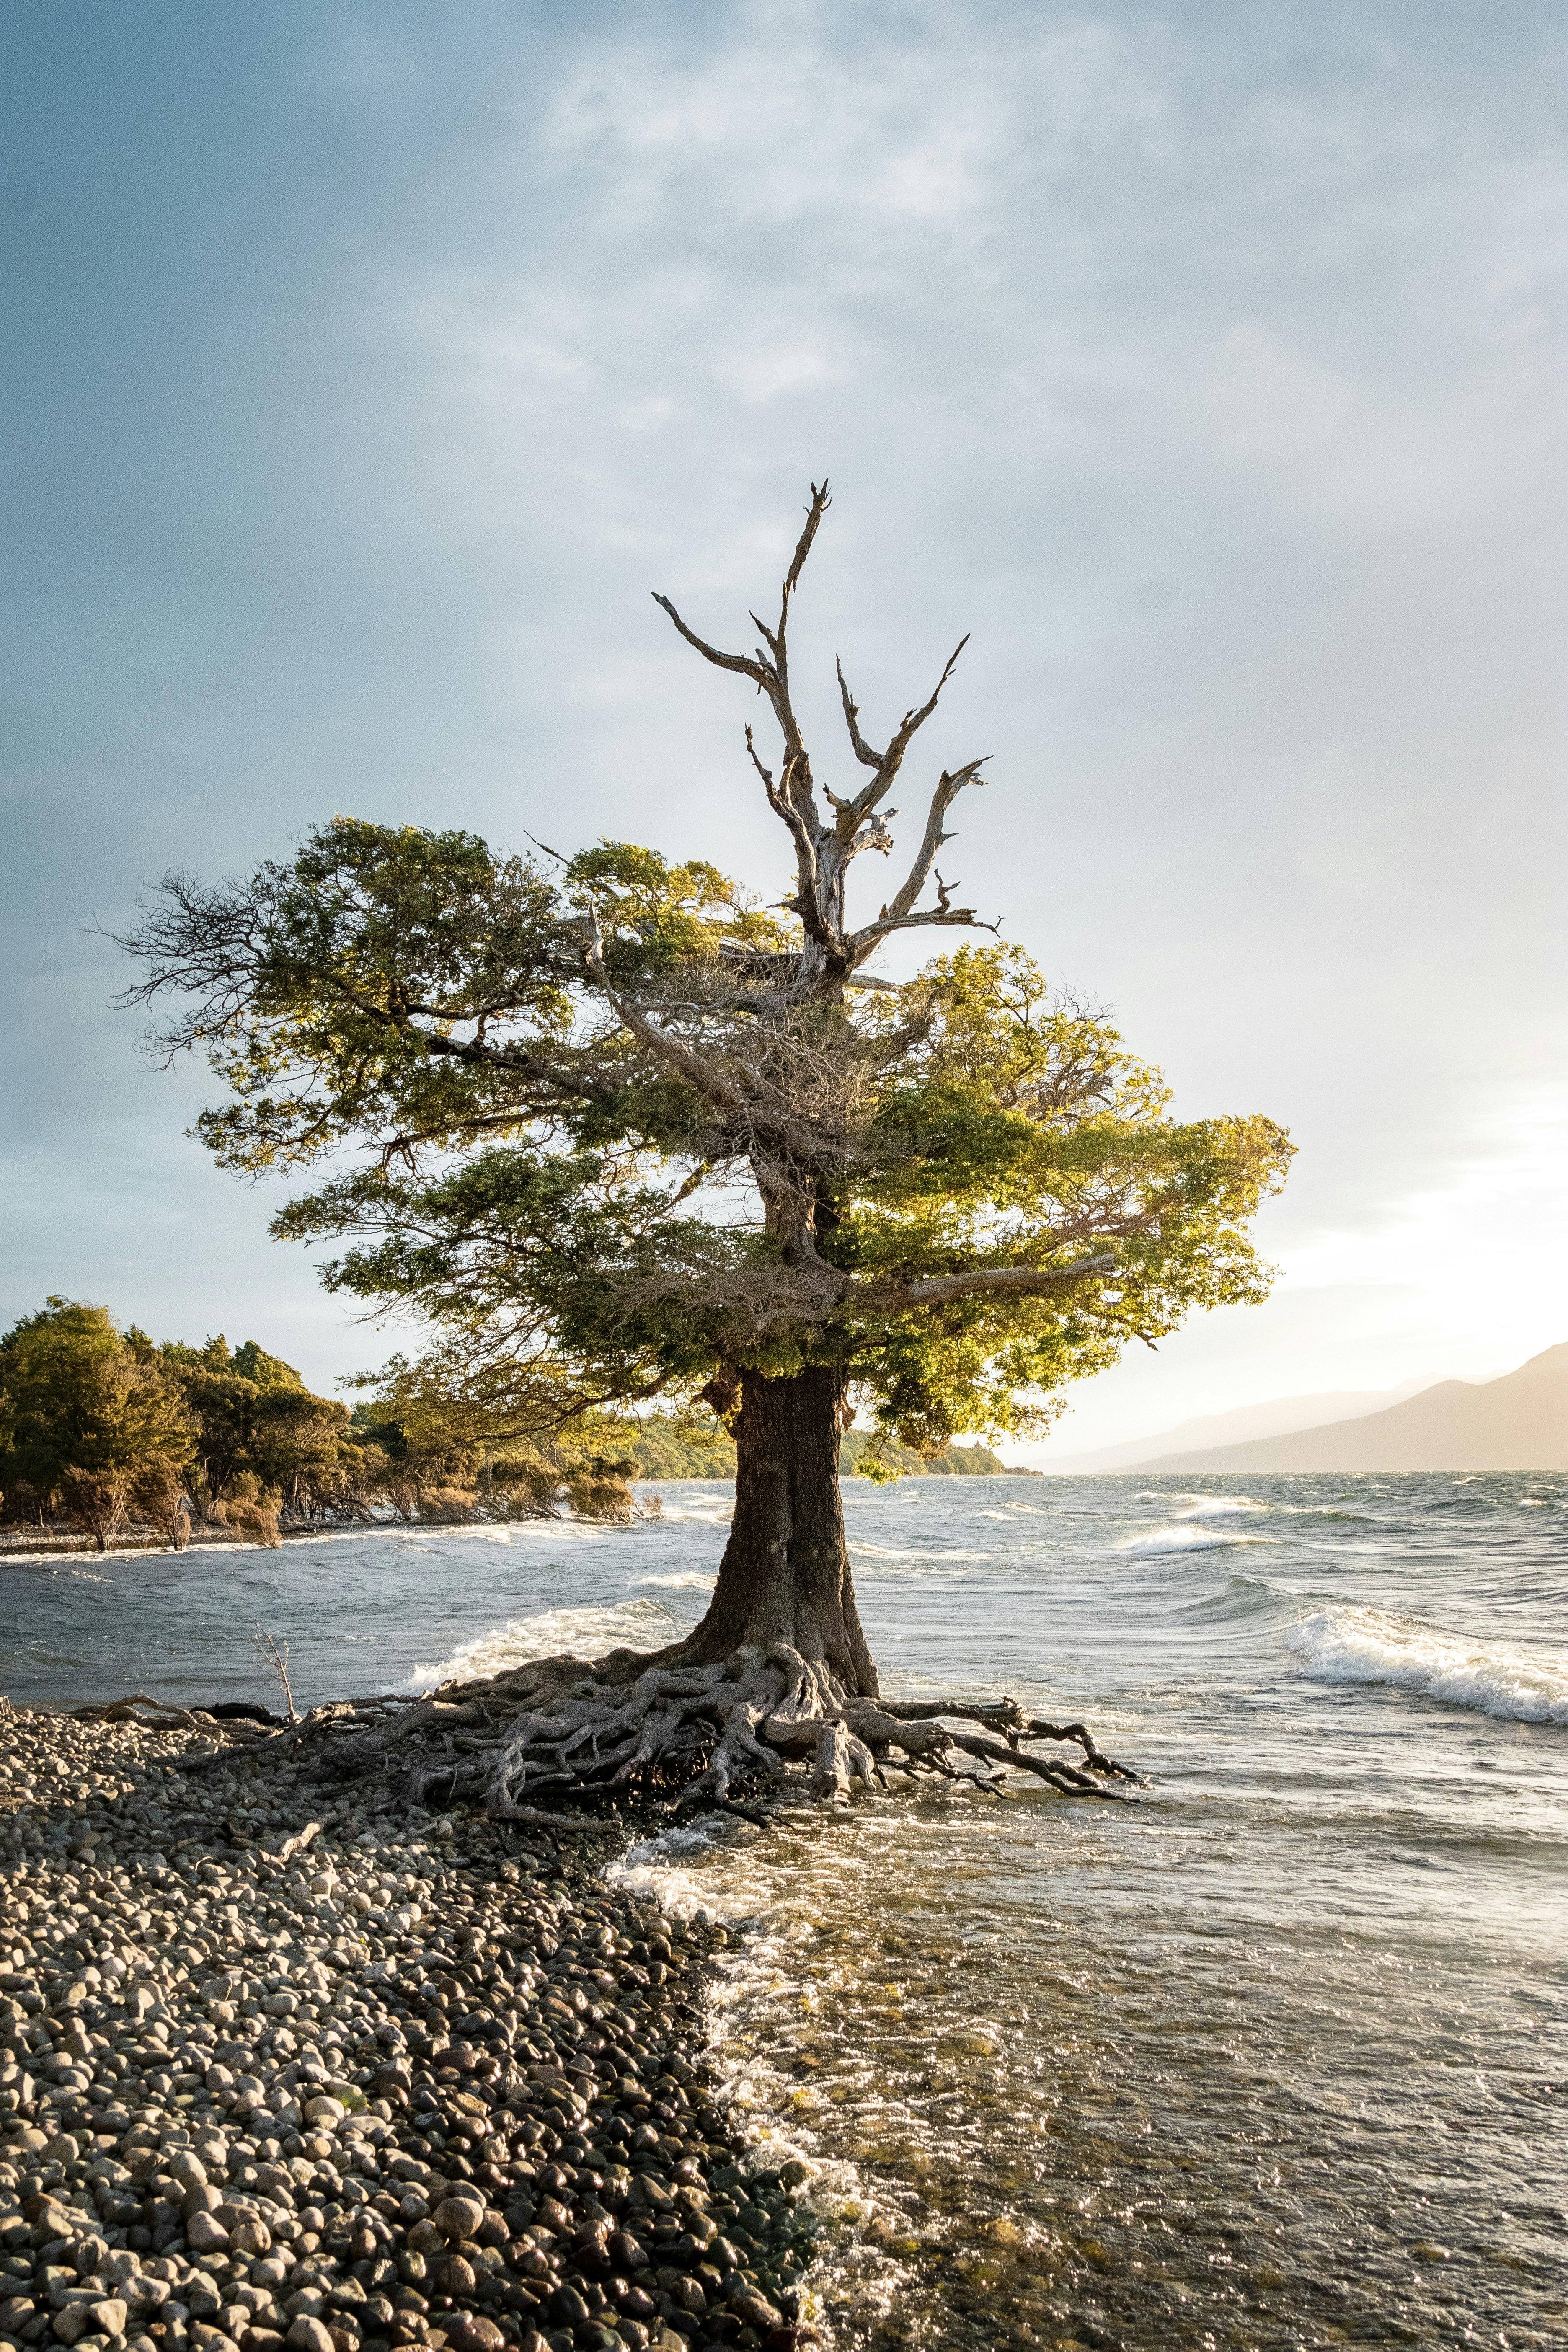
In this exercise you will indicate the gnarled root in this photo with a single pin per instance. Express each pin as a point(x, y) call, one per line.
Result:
point(655, 1728)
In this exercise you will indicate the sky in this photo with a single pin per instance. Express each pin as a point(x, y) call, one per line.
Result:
point(366, 368)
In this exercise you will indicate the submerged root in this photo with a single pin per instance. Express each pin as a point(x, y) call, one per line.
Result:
point(656, 1731)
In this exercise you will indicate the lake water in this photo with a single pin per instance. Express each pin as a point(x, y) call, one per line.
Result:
point(1270, 2054)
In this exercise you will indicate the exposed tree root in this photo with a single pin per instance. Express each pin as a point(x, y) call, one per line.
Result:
point(642, 1729)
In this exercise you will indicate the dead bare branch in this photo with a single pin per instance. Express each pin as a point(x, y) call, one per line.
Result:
point(824, 851)
point(276, 1661)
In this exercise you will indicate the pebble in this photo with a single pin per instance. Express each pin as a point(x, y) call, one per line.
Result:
point(286, 2066)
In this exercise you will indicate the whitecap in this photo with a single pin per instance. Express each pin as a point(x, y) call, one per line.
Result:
point(694, 1580)
point(1188, 1538)
point(926, 1554)
point(1219, 1507)
point(421, 1533)
point(554, 1632)
point(1356, 1644)
point(652, 1869)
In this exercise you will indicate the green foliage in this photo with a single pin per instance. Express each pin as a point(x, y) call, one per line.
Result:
point(97, 1422)
point(268, 1372)
point(77, 1397)
point(658, 919)
point(555, 1090)
point(685, 1445)
point(666, 1445)
point(872, 1453)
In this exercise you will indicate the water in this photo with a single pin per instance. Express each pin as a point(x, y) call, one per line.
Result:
point(1272, 2054)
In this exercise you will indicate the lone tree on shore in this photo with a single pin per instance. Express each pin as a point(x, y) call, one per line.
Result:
point(622, 1133)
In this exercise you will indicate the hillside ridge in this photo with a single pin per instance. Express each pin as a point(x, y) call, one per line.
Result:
point(1516, 1422)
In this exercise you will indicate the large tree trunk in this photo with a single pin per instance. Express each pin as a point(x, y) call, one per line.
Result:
point(777, 1668)
point(785, 1576)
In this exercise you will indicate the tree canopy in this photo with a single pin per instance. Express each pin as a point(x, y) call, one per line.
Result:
point(76, 1395)
point(96, 1421)
point(614, 1130)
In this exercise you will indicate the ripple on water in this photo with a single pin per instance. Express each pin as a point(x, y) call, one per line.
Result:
point(1036, 2127)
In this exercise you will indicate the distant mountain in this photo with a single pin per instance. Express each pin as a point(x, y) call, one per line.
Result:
point(1236, 1428)
point(1517, 1423)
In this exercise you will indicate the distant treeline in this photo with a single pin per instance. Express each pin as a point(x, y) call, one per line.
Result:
point(106, 1431)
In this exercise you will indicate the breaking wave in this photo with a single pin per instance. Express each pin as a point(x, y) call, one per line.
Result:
point(713, 1512)
point(554, 1632)
point(1368, 1645)
point(1188, 1538)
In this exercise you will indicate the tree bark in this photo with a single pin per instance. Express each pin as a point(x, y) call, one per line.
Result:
point(785, 1576)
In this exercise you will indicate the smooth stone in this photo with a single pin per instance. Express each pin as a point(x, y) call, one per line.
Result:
point(310, 2336)
point(470, 2331)
point(460, 2218)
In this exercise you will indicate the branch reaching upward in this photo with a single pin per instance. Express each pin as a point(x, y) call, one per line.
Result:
point(885, 763)
point(900, 913)
point(824, 851)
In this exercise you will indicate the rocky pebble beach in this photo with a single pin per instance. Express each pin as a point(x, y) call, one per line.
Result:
point(284, 2064)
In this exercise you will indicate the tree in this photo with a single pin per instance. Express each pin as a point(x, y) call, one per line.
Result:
point(90, 1418)
point(623, 1133)
point(254, 1418)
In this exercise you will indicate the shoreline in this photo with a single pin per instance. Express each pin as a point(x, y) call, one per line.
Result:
point(294, 2066)
point(18, 1547)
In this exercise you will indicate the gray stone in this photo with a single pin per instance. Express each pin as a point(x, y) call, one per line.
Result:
point(460, 2218)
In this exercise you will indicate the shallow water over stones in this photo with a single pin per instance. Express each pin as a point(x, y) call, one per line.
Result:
point(1259, 2139)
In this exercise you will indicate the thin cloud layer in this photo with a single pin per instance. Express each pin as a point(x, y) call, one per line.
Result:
point(1210, 370)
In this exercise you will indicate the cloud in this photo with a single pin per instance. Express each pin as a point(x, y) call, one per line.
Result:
point(1208, 365)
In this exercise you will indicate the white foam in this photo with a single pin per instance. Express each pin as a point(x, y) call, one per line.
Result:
point(695, 1580)
point(718, 1514)
point(1185, 1537)
point(653, 1869)
point(551, 1530)
point(1369, 1645)
point(1219, 1507)
point(553, 1634)
point(939, 1553)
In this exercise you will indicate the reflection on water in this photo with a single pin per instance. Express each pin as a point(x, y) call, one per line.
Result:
point(1270, 2055)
